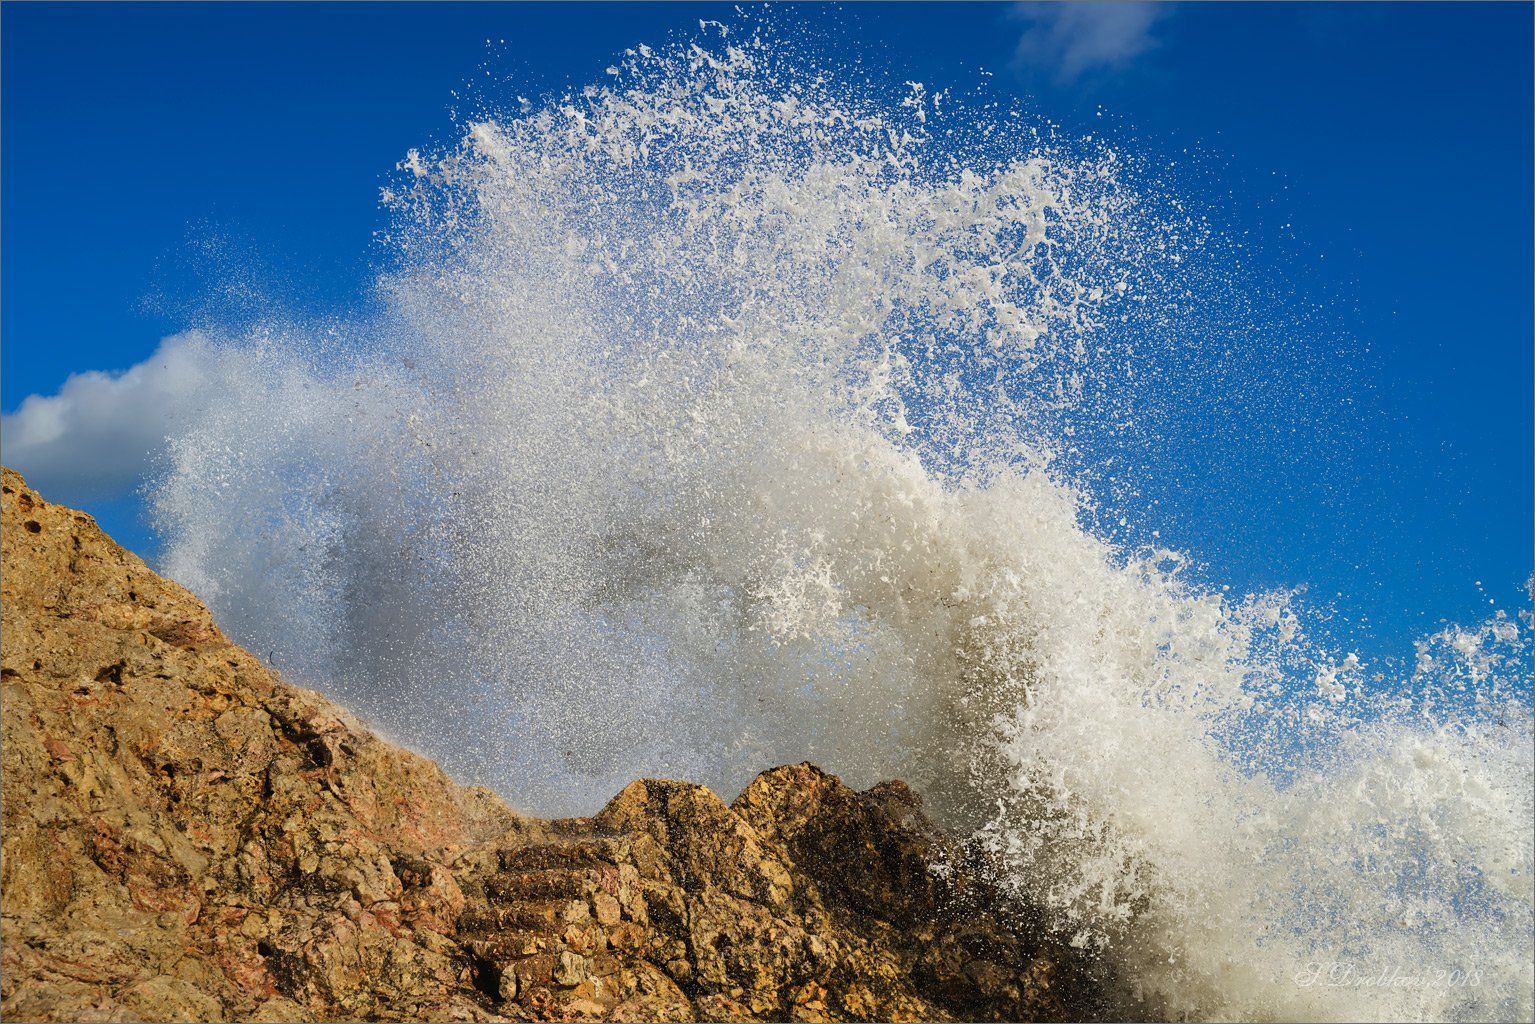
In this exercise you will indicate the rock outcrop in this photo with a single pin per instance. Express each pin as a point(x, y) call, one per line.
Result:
point(188, 837)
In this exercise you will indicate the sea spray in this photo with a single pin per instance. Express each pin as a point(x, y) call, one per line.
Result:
point(712, 425)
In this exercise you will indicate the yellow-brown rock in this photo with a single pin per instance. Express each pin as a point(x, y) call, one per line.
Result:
point(188, 837)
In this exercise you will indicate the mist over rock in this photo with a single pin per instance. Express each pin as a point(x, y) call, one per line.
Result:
point(188, 837)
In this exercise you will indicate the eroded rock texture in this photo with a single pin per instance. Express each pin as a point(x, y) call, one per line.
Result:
point(187, 837)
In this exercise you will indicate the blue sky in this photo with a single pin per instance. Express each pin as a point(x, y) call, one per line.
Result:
point(169, 163)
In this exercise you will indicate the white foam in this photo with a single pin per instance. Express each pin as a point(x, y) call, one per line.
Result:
point(704, 434)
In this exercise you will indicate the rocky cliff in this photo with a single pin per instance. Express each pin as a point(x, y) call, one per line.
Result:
point(188, 837)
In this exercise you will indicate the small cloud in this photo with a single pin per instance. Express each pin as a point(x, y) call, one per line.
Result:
point(97, 437)
point(1072, 39)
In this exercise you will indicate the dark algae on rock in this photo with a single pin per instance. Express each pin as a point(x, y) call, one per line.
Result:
point(188, 837)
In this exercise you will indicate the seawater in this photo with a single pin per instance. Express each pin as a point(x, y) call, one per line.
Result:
point(712, 423)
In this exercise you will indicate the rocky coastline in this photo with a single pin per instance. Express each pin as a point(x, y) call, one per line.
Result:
point(189, 837)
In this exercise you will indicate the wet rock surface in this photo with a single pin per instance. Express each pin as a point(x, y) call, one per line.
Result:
point(187, 837)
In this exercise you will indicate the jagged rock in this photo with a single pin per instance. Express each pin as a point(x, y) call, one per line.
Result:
point(187, 837)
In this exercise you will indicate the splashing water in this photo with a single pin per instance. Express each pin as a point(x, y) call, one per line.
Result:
point(710, 428)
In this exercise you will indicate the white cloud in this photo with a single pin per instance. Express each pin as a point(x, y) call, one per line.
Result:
point(98, 435)
point(1071, 39)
